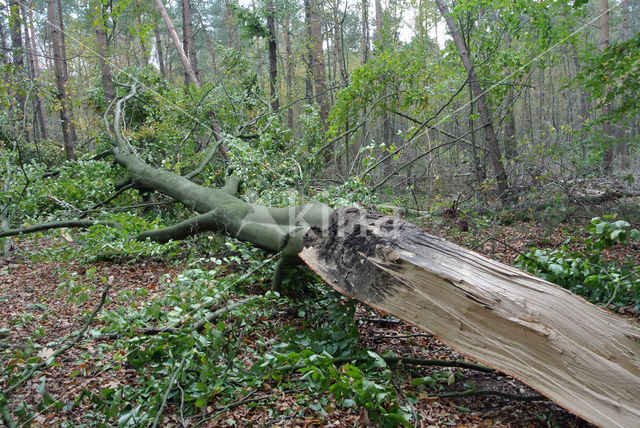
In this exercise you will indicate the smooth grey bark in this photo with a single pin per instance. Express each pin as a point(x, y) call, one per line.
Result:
point(273, 229)
point(491, 140)
point(60, 63)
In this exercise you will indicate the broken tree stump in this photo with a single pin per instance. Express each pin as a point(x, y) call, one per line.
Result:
point(580, 356)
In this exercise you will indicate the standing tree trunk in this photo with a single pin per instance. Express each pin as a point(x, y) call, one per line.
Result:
point(17, 51)
point(510, 148)
point(193, 78)
point(338, 42)
point(15, 29)
point(286, 38)
point(607, 157)
point(229, 22)
point(103, 51)
point(30, 42)
point(159, 51)
point(188, 40)
point(273, 57)
point(623, 146)
point(491, 140)
point(60, 63)
point(314, 28)
point(3, 45)
point(364, 36)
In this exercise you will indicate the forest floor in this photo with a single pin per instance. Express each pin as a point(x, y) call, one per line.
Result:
point(36, 310)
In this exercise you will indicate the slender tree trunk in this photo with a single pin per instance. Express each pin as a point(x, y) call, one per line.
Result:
point(193, 78)
point(338, 43)
point(286, 38)
point(273, 57)
point(15, 29)
point(103, 51)
point(582, 96)
point(623, 146)
point(607, 158)
point(66, 118)
point(314, 25)
point(379, 23)
point(161, 63)
point(364, 36)
point(485, 115)
point(40, 110)
point(510, 148)
point(228, 21)
point(188, 39)
point(189, 71)
point(4, 60)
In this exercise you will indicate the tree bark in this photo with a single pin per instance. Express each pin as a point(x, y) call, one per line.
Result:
point(481, 102)
point(3, 46)
point(510, 147)
point(103, 54)
point(607, 157)
point(364, 36)
point(66, 117)
point(188, 40)
point(623, 145)
point(273, 57)
point(159, 51)
point(39, 105)
point(189, 71)
point(193, 78)
point(286, 38)
point(314, 28)
point(15, 30)
point(338, 43)
point(577, 354)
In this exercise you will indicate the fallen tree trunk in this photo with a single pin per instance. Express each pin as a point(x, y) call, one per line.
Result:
point(582, 357)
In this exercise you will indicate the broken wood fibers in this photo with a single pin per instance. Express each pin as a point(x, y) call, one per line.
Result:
point(580, 356)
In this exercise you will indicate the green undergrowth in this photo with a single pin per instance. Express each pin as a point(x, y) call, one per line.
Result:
point(272, 345)
point(587, 271)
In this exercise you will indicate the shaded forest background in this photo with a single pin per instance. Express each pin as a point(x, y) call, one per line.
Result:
point(314, 95)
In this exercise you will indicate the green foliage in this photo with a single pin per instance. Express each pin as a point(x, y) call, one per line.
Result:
point(71, 188)
point(587, 272)
point(252, 23)
point(613, 78)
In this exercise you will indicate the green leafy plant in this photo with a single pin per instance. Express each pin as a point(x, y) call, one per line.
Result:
point(586, 272)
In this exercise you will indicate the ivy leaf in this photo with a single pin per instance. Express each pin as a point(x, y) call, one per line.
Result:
point(579, 3)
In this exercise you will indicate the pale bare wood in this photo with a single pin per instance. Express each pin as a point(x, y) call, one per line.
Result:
point(582, 357)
